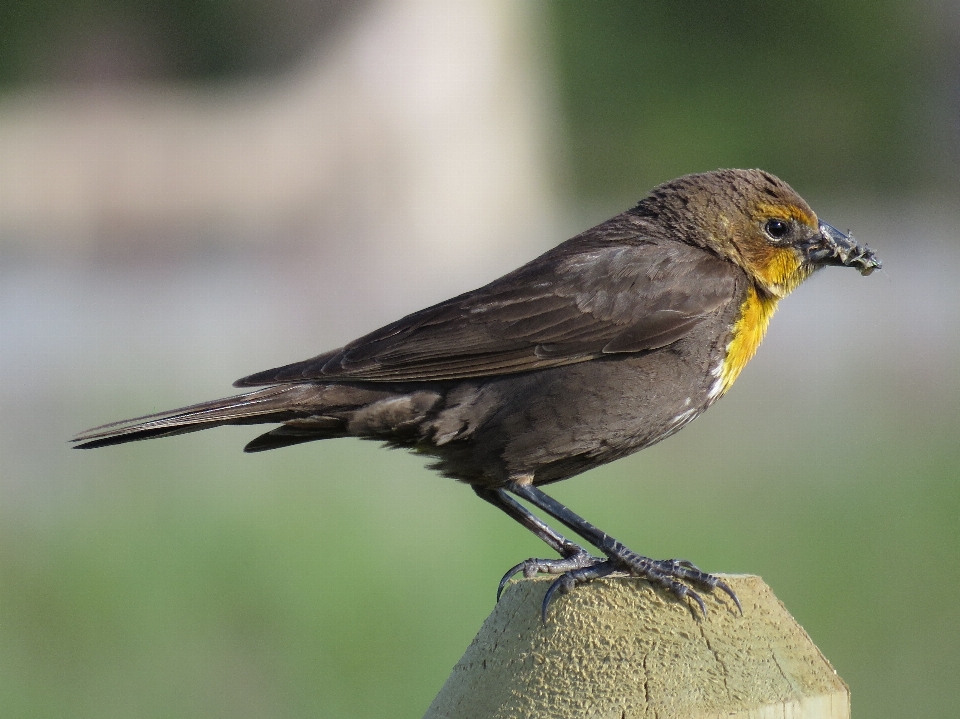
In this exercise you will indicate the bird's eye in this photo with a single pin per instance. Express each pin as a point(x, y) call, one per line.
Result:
point(776, 229)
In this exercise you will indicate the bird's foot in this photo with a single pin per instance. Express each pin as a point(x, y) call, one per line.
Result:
point(575, 577)
point(579, 567)
point(577, 559)
point(669, 574)
point(672, 575)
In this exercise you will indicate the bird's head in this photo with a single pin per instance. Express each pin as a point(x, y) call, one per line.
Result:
point(757, 221)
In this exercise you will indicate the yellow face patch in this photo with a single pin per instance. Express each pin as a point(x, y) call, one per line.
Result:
point(748, 332)
point(779, 269)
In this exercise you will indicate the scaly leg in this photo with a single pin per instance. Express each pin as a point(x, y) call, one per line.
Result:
point(574, 557)
point(666, 573)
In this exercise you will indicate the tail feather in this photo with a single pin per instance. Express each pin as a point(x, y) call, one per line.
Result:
point(298, 431)
point(271, 404)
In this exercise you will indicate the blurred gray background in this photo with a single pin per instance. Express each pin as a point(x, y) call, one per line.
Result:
point(194, 190)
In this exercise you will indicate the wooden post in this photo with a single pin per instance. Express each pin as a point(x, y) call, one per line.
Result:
point(617, 648)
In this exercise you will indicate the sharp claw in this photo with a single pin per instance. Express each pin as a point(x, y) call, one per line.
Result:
point(571, 561)
point(733, 595)
point(551, 590)
point(703, 607)
point(568, 580)
point(507, 577)
point(682, 590)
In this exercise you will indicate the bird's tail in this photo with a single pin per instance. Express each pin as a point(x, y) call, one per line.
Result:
point(280, 403)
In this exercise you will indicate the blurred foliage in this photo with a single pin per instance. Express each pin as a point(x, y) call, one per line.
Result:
point(831, 95)
point(834, 96)
point(186, 579)
point(93, 41)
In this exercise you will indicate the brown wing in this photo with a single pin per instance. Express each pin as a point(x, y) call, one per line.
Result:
point(573, 304)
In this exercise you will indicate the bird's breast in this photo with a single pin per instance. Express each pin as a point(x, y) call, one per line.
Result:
point(747, 333)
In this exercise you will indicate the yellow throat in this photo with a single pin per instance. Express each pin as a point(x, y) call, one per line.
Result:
point(748, 332)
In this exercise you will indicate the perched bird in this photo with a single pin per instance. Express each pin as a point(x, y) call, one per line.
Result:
point(604, 345)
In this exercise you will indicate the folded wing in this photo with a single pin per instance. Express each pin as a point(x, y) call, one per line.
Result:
point(573, 304)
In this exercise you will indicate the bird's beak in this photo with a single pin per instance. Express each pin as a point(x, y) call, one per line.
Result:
point(832, 247)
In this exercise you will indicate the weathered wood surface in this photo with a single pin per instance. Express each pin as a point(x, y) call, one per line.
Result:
point(617, 648)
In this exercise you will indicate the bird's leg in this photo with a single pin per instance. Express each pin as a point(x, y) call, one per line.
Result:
point(667, 573)
point(574, 557)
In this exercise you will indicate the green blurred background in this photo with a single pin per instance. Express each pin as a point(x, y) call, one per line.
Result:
point(180, 578)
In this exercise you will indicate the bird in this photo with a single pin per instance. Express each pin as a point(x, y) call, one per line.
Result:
point(602, 346)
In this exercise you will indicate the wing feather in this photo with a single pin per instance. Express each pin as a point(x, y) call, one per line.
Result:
point(578, 302)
